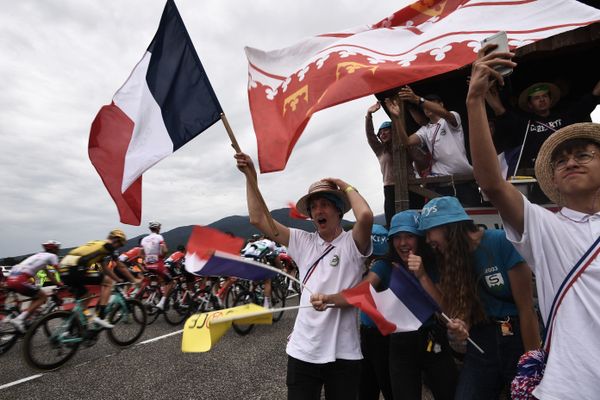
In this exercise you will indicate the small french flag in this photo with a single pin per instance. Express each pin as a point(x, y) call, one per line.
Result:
point(166, 102)
point(210, 252)
point(403, 307)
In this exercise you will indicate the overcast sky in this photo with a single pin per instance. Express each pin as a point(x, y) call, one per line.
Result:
point(63, 59)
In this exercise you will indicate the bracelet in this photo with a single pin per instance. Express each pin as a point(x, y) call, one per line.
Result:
point(350, 189)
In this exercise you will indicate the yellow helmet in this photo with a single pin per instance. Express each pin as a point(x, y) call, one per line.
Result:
point(118, 234)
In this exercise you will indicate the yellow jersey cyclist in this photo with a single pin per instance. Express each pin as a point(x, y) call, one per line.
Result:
point(21, 279)
point(87, 265)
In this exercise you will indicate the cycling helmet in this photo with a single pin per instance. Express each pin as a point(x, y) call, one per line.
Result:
point(256, 236)
point(118, 234)
point(181, 248)
point(154, 225)
point(51, 245)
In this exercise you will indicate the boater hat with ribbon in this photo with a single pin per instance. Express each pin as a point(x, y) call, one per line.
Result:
point(543, 164)
point(539, 87)
point(327, 190)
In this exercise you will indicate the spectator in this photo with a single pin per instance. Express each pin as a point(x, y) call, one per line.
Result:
point(324, 348)
point(524, 133)
point(568, 170)
point(426, 352)
point(486, 288)
point(381, 144)
point(444, 138)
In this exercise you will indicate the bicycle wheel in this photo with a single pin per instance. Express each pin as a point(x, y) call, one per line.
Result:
point(150, 298)
point(48, 352)
point(241, 299)
point(177, 309)
point(8, 333)
point(129, 323)
point(279, 297)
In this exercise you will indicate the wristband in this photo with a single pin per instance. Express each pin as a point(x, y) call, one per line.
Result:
point(350, 189)
point(421, 102)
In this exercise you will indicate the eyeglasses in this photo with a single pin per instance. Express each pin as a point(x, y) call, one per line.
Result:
point(580, 157)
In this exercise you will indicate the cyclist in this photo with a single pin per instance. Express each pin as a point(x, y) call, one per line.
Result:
point(261, 248)
point(21, 279)
point(79, 268)
point(133, 259)
point(154, 250)
point(176, 260)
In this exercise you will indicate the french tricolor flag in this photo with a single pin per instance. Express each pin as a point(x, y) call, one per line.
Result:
point(210, 252)
point(166, 102)
point(403, 307)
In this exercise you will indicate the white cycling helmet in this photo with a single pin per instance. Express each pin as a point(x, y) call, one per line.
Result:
point(51, 245)
point(154, 225)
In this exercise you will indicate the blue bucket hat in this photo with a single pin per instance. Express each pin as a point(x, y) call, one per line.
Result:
point(442, 211)
point(405, 221)
point(384, 125)
point(379, 238)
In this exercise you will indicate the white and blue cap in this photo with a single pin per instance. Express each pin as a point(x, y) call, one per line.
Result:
point(442, 211)
point(379, 237)
point(405, 221)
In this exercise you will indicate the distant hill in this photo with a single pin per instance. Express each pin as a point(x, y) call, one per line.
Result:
point(236, 224)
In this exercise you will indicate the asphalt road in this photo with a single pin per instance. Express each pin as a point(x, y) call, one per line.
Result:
point(250, 367)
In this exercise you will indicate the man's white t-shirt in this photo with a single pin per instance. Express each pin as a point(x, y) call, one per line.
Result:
point(323, 336)
point(32, 264)
point(552, 244)
point(151, 245)
point(446, 144)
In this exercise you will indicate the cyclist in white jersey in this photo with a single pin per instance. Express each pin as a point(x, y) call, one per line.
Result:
point(154, 250)
point(258, 249)
point(21, 279)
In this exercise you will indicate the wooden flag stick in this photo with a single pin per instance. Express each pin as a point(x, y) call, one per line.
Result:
point(251, 177)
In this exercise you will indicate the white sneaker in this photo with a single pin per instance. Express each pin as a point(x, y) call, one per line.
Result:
point(18, 323)
point(102, 323)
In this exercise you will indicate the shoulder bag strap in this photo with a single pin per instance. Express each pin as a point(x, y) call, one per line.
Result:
point(314, 265)
point(584, 262)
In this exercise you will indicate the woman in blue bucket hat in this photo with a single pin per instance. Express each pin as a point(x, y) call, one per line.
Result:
point(424, 353)
point(486, 288)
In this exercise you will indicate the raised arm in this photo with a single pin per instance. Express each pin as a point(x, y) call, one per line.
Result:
point(486, 168)
point(255, 212)
point(394, 109)
point(408, 95)
point(375, 144)
point(361, 232)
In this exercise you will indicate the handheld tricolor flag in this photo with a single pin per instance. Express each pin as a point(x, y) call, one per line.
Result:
point(210, 252)
point(166, 102)
point(428, 38)
point(403, 307)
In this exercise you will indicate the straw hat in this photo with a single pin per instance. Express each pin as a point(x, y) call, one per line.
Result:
point(539, 87)
point(543, 167)
point(326, 189)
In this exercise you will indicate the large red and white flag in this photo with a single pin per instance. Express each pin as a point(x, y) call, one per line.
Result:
point(430, 37)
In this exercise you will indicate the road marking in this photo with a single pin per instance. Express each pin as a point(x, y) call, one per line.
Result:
point(29, 378)
point(32, 377)
point(160, 337)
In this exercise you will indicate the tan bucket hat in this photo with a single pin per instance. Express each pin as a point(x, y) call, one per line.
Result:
point(543, 167)
point(323, 187)
point(539, 87)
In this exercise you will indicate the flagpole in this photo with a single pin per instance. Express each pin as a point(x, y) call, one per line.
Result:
point(251, 177)
point(261, 312)
point(468, 338)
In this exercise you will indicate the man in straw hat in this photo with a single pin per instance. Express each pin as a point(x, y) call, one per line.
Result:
point(530, 129)
point(568, 170)
point(324, 347)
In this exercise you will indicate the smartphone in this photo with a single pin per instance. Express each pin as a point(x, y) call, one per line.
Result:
point(501, 40)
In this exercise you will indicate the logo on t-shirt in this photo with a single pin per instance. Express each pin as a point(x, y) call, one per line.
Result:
point(334, 261)
point(495, 281)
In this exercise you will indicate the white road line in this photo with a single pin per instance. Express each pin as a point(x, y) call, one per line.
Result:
point(160, 337)
point(32, 377)
point(29, 378)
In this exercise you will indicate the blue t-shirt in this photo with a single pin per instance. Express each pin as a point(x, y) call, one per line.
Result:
point(494, 257)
